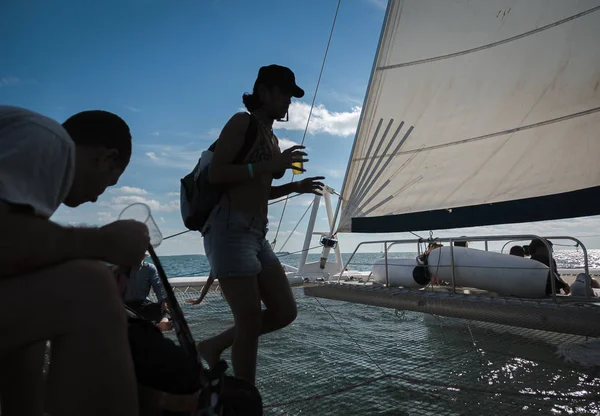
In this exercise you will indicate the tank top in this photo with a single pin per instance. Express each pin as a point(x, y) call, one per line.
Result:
point(263, 151)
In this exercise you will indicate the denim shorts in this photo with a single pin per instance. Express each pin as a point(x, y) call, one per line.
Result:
point(235, 243)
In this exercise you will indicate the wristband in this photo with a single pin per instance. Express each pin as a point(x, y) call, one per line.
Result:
point(250, 170)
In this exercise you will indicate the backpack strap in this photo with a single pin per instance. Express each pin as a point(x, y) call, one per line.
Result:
point(250, 139)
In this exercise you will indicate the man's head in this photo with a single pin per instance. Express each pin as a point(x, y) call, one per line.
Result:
point(103, 150)
point(537, 247)
point(273, 91)
point(461, 243)
point(517, 251)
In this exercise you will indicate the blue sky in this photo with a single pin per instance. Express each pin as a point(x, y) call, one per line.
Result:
point(175, 71)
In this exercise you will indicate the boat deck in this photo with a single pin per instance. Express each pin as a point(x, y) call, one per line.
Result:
point(564, 315)
point(355, 359)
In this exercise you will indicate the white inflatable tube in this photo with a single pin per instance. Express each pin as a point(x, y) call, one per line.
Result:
point(401, 272)
point(499, 273)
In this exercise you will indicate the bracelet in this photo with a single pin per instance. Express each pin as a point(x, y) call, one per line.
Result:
point(250, 170)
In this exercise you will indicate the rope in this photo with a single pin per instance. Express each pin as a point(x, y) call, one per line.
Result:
point(187, 231)
point(299, 251)
point(297, 224)
point(283, 199)
point(311, 110)
point(176, 234)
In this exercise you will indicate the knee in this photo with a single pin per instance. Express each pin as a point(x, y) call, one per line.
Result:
point(286, 315)
point(91, 285)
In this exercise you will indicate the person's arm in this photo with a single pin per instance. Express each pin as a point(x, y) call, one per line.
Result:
point(231, 140)
point(36, 163)
point(283, 190)
point(157, 286)
point(28, 242)
point(312, 185)
point(36, 167)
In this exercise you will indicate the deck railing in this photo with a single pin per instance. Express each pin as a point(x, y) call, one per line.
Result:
point(387, 244)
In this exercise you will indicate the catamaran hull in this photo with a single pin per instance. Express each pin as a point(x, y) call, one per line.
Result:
point(499, 273)
point(400, 272)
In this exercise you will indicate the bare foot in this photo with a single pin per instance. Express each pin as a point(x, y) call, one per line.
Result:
point(208, 353)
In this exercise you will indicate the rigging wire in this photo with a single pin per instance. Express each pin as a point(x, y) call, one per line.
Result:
point(187, 231)
point(297, 252)
point(297, 224)
point(310, 112)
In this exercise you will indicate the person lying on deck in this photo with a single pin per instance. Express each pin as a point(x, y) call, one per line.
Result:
point(136, 283)
point(53, 279)
point(539, 252)
point(461, 243)
point(580, 288)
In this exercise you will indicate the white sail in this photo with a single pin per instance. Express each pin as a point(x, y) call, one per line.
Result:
point(473, 103)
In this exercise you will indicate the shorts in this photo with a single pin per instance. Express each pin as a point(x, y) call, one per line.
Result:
point(235, 243)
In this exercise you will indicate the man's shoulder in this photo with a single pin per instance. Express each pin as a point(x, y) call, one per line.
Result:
point(541, 258)
point(17, 121)
point(148, 265)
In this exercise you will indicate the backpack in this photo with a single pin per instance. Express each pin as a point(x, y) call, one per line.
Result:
point(197, 195)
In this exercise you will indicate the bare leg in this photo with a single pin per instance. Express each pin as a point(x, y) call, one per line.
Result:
point(77, 307)
point(280, 311)
point(243, 297)
point(22, 381)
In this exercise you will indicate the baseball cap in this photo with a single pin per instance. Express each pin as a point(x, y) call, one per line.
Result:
point(281, 77)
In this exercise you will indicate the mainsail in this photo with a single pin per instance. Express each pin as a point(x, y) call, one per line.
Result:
point(478, 113)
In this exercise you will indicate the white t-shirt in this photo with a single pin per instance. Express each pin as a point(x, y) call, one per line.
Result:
point(37, 160)
point(578, 288)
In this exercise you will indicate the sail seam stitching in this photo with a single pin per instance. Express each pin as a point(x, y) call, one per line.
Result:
point(499, 133)
point(490, 45)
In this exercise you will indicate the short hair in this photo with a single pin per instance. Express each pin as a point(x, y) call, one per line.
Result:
point(536, 244)
point(460, 243)
point(100, 128)
point(517, 251)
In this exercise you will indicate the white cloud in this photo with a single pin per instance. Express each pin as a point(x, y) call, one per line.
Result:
point(287, 143)
point(322, 120)
point(335, 173)
point(180, 157)
point(156, 134)
point(129, 190)
point(121, 202)
point(106, 217)
point(346, 99)
point(307, 202)
point(134, 109)
point(381, 4)
point(173, 193)
point(213, 133)
point(9, 81)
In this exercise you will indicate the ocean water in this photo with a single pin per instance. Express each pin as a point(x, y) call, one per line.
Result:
point(347, 359)
point(197, 265)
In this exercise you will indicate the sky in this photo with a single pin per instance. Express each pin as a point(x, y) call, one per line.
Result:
point(176, 71)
